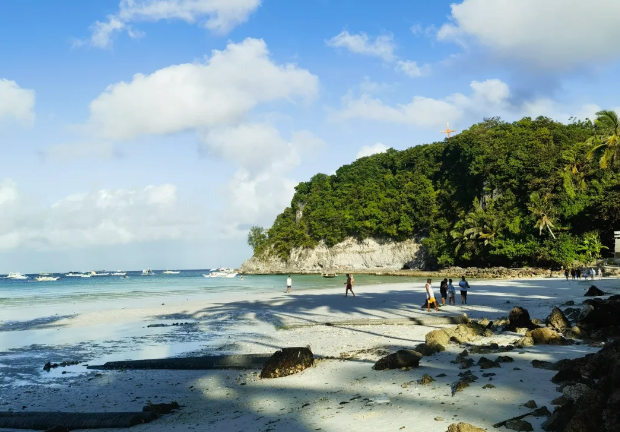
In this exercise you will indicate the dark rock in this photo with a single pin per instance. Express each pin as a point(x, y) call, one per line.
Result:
point(557, 321)
point(560, 400)
point(488, 386)
point(399, 359)
point(161, 408)
point(437, 340)
point(459, 386)
point(441, 375)
point(505, 359)
point(57, 429)
point(287, 361)
point(466, 363)
point(546, 336)
point(468, 376)
point(519, 318)
point(488, 374)
point(519, 425)
point(530, 404)
point(426, 379)
point(541, 412)
point(541, 364)
point(566, 375)
point(574, 392)
point(559, 419)
point(486, 363)
point(593, 291)
point(569, 303)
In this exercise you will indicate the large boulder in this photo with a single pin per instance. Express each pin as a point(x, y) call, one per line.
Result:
point(287, 361)
point(464, 427)
point(557, 321)
point(593, 291)
point(519, 318)
point(399, 359)
point(546, 336)
point(437, 340)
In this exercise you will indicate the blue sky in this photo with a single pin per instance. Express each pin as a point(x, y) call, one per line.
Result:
point(236, 101)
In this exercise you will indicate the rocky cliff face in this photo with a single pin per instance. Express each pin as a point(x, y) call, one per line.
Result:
point(351, 255)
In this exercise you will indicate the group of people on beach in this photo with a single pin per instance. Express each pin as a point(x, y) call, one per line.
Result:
point(586, 273)
point(447, 291)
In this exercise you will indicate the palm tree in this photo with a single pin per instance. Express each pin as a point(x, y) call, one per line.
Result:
point(541, 208)
point(607, 138)
point(573, 173)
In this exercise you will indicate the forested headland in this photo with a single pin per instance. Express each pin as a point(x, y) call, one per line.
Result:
point(533, 192)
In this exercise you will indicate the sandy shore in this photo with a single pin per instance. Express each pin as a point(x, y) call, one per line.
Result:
point(335, 395)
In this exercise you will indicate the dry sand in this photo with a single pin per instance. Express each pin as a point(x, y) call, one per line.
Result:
point(335, 395)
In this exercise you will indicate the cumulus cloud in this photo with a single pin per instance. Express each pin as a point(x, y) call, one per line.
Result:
point(412, 69)
point(74, 150)
point(190, 96)
point(383, 46)
point(219, 16)
point(97, 218)
point(16, 103)
point(371, 150)
point(550, 34)
point(261, 188)
point(487, 98)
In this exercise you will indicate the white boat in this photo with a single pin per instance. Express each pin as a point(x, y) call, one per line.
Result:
point(16, 276)
point(148, 272)
point(71, 274)
point(221, 273)
point(46, 278)
point(171, 272)
point(92, 273)
point(119, 273)
point(85, 275)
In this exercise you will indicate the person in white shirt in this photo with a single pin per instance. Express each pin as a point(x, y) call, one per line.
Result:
point(600, 274)
point(451, 293)
point(430, 296)
point(464, 286)
point(289, 284)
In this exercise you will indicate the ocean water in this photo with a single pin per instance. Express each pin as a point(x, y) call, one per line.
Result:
point(188, 283)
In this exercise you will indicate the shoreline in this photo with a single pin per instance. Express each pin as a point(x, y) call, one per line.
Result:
point(379, 320)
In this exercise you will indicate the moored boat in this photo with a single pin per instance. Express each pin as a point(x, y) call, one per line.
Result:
point(46, 278)
point(17, 276)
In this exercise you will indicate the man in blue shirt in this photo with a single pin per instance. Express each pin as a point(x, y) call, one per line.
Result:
point(464, 286)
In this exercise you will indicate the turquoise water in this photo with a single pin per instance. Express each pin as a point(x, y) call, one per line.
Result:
point(189, 283)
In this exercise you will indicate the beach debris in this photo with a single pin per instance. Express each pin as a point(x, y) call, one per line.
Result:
point(438, 419)
point(287, 361)
point(161, 408)
point(505, 359)
point(399, 359)
point(594, 291)
point(170, 325)
point(542, 364)
point(546, 336)
point(488, 386)
point(407, 384)
point(441, 375)
point(379, 400)
point(519, 318)
point(486, 363)
point(530, 404)
point(48, 366)
point(557, 321)
point(464, 427)
point(426, 379)
point(519, 425)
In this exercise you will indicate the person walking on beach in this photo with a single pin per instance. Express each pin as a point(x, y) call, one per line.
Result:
point(451, 293)
point(600, 273)
point(349, 284)
point(464, 286)
point(566, 274)
point(430, 296)
point(578, 274)
point(289, 284)
point(572, 273)
point(443, 290)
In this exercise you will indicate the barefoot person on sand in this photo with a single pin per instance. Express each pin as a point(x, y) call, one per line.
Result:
point(289, 284)
point(443, 290)
point(464, 287)
point(430, 296)
point(349, 284)
point(451, 293)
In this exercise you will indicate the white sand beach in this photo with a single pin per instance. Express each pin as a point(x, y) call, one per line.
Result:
point(337, 394)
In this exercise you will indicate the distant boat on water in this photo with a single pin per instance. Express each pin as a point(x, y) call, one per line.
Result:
point(221, 273)
point(119, 273)
point(74, 274)
point(93, 273)
point(46, 278)
point(330, 275)
point(171, 272)
point(148, 272)
point(17, 276)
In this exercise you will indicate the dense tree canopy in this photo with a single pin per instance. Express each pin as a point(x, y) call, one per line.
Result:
point(532, 192)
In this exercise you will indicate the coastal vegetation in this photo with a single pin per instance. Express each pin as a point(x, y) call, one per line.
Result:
point(532, 192)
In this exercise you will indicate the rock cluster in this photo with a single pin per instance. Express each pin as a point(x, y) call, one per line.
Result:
point(398, 360)
point(287, 361)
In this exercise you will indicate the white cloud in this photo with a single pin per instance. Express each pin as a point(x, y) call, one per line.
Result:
point(371, 150)
point(75, 150)
point(552, 34)
point(487, 98)
point(190, 96)
point(382, 47)
point(98, 218)
point(370, 87)
point(15, 102)
point(261, 188)
point(412, 69)
point(219, 16)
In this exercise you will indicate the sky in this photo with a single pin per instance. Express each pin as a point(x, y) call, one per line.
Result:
point(154, 133)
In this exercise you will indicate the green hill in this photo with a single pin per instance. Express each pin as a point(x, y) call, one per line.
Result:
point(532, 192)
